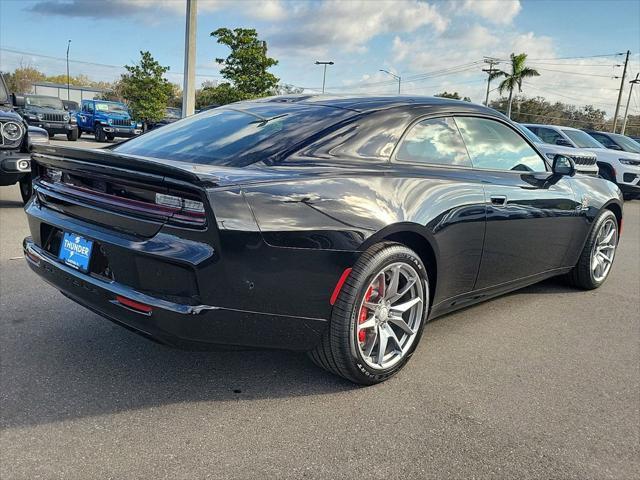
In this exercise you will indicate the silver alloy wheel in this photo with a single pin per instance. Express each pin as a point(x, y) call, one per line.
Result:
point(390, 315)
point(604, 249)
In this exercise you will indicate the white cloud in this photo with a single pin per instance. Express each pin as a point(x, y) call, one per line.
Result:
point(314, 28)
point(496, 11)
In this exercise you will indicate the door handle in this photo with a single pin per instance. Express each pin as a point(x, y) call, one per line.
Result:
point(498, 200)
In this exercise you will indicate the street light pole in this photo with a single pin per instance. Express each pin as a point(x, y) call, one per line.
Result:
point(68, 88)
point(624, 74)
point(189, 74)
point(626, 110)
point(397, 77)
point(324, 73)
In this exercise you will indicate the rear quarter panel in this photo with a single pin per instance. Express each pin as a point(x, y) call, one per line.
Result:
point(350, 209)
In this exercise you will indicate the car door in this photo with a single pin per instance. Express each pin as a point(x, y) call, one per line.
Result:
point(87, 115)
point(447, 192)
point(531, 214)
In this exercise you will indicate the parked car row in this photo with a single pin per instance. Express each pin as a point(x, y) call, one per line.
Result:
point(617, 156)
point(105, 120)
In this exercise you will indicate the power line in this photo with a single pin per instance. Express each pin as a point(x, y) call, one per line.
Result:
point(575, 58)
point(83, 62)
point(576, 73)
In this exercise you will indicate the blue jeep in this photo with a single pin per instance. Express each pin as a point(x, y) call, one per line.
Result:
point(107, 120)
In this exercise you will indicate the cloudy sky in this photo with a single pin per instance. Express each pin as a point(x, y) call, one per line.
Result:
point(433, 45)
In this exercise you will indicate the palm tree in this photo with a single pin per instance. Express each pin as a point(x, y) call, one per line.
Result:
point(514, 79)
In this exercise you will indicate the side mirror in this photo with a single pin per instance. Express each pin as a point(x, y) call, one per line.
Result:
point(18, 100)
point(563, 142)
point(563, 165)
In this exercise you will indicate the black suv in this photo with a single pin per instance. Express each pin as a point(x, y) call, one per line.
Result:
point(16, 139)
point(48, 113)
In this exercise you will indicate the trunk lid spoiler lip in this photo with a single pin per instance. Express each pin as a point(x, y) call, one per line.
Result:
point(158, 170)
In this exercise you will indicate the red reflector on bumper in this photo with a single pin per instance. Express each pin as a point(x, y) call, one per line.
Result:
point(132, 304)
point(338, 287)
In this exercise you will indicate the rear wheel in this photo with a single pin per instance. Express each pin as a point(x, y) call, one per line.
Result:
point(378, 317)
point(99, 134)
point(26, 189)
point(598, 253)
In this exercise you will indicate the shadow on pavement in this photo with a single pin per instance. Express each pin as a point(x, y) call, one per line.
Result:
point(93, 368)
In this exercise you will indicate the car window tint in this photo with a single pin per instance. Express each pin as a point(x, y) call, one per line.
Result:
point(495, 146)
point(237, 135)
point(435, 141)
point(548, 135)
point(368, 136)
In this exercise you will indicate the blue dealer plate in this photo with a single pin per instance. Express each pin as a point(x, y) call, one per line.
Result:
point(76, 251)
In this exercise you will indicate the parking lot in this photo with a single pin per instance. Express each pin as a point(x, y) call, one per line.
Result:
point(542, 383)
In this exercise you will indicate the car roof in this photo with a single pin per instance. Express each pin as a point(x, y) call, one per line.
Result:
point(551, 126)
point(367, 103)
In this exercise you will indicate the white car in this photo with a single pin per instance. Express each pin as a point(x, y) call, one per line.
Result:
point(586, 161)
point(622, 168)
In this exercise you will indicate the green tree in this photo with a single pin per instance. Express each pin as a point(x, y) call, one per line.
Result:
point(519, 71)
point(454, 96)
point(540, 110)
point(145, 89)
point(21, 80)
point(247, 64)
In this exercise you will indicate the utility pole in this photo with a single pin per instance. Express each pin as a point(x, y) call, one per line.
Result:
point(624, 74)
point(397, 77)
point(490, 70)
point(189, 78)
point(626, 110)
point(324, 73)
point(68, 88)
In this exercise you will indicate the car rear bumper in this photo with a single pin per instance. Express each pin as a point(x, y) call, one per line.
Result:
point(175, 324)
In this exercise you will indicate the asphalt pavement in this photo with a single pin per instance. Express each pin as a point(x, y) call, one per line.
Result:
point(542, 383)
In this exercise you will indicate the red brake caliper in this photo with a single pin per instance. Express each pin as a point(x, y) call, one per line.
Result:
point(362, 334)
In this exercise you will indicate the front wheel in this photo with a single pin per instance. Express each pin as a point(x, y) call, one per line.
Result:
point(26, 188)
point(597, 256)
point(378, 317)
point(72, 135)
point(99, 134)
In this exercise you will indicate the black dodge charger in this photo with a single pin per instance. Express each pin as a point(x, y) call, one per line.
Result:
point(336, 226)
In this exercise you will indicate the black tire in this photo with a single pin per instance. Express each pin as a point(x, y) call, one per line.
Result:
point(630, 196)
point(99, 134)
point(72, 135)
point(337, 352)
point(79, 133)
point(581, 276)
point(26, 188)
point(50, 134)
point(111, 137)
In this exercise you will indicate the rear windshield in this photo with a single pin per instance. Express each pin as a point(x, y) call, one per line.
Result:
point(235, 135)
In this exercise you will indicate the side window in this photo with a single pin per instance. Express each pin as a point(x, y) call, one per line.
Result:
point(495, 146)
point(90, 107)
point(603, 139)
point(434, 141)
point(549, 136)
point(371, 136)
